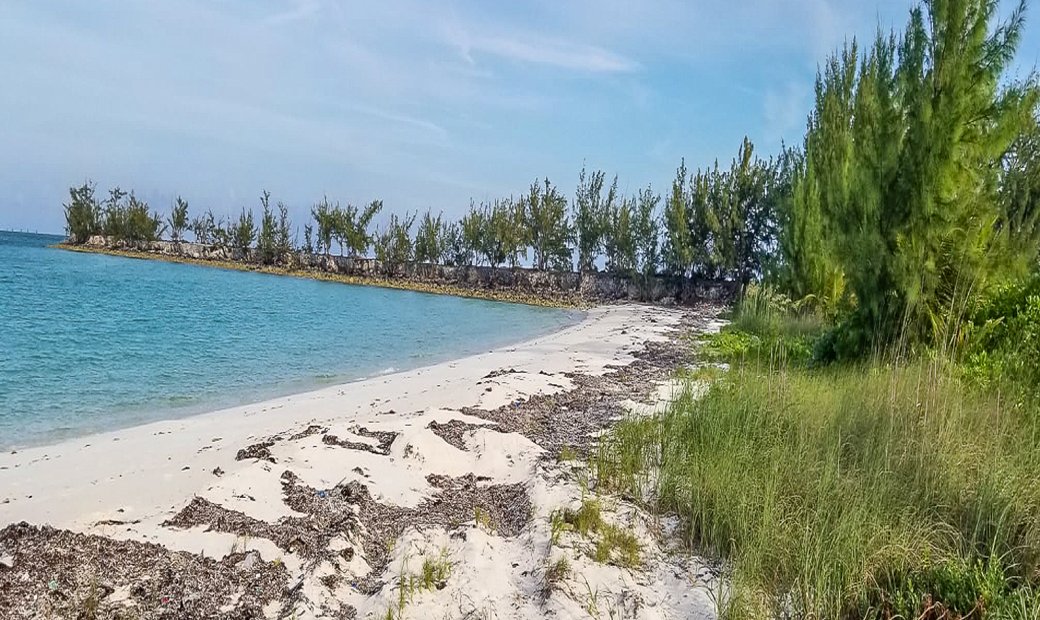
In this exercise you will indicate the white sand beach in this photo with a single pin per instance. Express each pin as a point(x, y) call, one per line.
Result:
point(126, 484)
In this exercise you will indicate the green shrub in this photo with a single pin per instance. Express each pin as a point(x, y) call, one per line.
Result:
point(766, 326)
point(1003, 351)
point(82, 213)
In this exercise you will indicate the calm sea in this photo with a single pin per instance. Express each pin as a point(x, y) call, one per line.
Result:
point(91, 342)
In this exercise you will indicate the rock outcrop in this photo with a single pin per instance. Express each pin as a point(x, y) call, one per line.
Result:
point(584, 287)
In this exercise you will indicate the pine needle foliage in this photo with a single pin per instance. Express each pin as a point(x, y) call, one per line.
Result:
point(903, 154)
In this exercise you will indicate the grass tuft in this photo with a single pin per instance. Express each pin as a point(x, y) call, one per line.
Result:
point(613, 544)
point(435, 572)
point(567, 453)
point(483, 518)
point(555, 574)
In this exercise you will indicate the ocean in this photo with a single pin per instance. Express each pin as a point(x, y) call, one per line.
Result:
point(90, 342)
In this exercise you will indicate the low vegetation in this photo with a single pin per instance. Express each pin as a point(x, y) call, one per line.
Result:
point(433, 576)
point(867, 444)
point(890, 487)
point(555, 574)
point(613, 544)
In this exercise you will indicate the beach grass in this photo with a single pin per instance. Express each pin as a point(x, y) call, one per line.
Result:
point(879, 490)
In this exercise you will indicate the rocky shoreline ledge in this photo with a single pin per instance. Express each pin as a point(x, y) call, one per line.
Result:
point(472, 532)
point(516, 285)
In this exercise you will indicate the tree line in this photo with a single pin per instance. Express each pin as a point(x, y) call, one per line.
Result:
point(915, 191)
point(600, 228)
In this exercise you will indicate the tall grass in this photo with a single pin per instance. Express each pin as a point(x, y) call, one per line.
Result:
point(873, 491)
point(766, 325)
point(764, 311)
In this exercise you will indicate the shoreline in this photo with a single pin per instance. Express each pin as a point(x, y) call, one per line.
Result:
point(341, 490)
point(562, 300)
point(297, 387)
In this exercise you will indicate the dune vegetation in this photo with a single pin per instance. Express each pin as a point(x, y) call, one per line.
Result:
point(861, 440)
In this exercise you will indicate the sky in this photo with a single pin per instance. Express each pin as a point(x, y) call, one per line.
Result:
point(420, 104)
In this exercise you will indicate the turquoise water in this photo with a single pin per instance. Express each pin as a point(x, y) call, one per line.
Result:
point(91, 342)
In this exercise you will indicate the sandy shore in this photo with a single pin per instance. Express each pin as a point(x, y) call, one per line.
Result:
point(331, 501)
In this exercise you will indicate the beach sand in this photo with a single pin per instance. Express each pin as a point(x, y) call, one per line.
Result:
point(336, 498)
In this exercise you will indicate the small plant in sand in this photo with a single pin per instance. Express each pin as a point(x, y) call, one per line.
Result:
point(483, 518)
point(89, 606)
point(555, 574)
point(435, 571)
point(240, 544)
point(557, 526)
point(586, 519)
point(405, 592)
point(591, 600)
point(434, 576)
point(567, 453)
point(617, 545)
point(613, 544)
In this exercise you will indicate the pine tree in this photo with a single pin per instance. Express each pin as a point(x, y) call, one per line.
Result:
point(1019, 189)
point(283, 239)
point(357, 224)
point(244, 233)
point(325, 220)
point(393, 245)
point(266, 243)
point(905, 144)
point(701, 203)
point(544, 212)
point(473, 229)
point(456, 251)
point(204, 228)
point(591, 210)
point(809, 270)
point(678, 249)
point(647, 232)
point(178, 219)
point(619, 242)
point(308, 239)
point(429, 239)
point(82, 213)
point(499, 239)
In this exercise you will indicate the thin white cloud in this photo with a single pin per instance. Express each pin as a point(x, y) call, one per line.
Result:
point(300, 10)
point(554, 53)
point(403, 119)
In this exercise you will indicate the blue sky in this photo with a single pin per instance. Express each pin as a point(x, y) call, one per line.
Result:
point(421, 104)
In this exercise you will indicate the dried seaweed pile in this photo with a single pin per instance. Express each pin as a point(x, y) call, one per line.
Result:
point(306, 537)
point(572, 419)
point(260, 451)
point(57, 573)
point(505, 508)
point(385, 439)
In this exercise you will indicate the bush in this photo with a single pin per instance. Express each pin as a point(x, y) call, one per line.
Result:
point(766, 325)
point(82, 213)
point(1004, 340)
point(126, 219)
